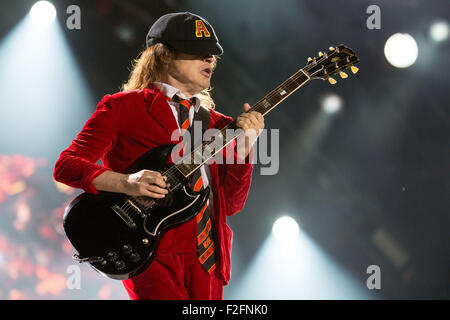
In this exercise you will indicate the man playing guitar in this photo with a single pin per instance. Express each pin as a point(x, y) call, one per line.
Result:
point(171, 78)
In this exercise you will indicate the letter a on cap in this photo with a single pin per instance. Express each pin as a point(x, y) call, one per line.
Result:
point(200, 29)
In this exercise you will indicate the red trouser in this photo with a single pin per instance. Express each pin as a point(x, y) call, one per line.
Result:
point(176, 273)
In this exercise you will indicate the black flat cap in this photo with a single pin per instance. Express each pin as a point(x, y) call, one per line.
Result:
point(185, 32)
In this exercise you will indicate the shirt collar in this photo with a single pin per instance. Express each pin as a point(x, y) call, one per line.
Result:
point(170, 91)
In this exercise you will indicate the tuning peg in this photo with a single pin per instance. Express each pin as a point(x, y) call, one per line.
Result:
point(331, 80)
point(320, 53)
point(331, 48)
point(309, 59)
point(354, 69)
point(343, 74)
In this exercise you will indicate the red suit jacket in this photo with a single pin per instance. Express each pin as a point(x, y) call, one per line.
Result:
point(128, 124)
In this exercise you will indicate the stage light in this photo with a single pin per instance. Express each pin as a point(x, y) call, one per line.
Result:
point(331, 103)
point(285, 229)
point(43, 13)
point(401, 50)
point(43, 57)
point(298, 270)
point(439, 31)
point(125, 33)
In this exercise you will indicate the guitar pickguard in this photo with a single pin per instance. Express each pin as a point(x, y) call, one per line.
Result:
point(152, 225)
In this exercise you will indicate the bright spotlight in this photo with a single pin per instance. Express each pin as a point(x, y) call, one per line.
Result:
point(43, 13)
point(401, 50)
point(285, 229)
point(439, 31)
point(331, 103)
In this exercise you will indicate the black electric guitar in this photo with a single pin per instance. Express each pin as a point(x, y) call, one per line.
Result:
point(118, 235)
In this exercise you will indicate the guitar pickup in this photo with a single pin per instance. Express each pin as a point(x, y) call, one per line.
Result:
point(136, 208)
point(124, 216)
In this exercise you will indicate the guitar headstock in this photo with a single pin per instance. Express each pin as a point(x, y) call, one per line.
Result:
point(332, 62)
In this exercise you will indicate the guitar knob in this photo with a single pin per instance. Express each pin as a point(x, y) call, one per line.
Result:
point(111, 256)
point(119, 265)
point(126, 249)
point(135, 257)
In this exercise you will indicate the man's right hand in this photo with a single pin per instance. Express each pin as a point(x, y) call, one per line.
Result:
point(146, 183)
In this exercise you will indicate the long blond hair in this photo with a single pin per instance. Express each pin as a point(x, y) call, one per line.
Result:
point(149, 65)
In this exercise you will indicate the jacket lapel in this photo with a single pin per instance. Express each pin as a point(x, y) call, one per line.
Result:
point(160, 111)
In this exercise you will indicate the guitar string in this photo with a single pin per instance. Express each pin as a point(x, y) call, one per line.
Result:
point(173, 169)
point(275, 92)
point(258, 106)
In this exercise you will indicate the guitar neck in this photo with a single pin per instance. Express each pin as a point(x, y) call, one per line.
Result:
point(284, 90)
point(201, 154)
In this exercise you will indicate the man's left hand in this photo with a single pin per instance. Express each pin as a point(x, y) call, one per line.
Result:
point(252, 123)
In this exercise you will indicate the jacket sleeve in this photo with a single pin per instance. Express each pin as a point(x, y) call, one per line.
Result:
point(235, 180)
point(234, 176)
point(77, 165)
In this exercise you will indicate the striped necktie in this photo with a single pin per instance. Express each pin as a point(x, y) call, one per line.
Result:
point(205, 241)
point(183, 114)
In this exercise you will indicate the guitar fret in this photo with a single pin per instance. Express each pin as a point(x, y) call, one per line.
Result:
point(185, 168)
point(265, 103)
point(182, 168)
point(281, 91)
point(291, 84)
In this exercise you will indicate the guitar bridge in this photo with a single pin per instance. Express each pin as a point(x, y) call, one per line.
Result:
point(77, 257)
point(124, 216)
